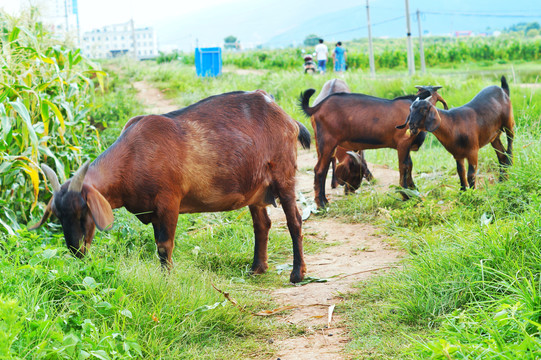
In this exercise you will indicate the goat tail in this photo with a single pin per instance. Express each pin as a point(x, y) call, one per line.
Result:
point(304, 102)
point(304, 136)
point(505, 86)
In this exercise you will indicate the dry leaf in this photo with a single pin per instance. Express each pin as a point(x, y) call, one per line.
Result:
point(275, 311)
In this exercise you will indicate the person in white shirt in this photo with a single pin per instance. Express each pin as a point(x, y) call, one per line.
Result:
point(321, 54)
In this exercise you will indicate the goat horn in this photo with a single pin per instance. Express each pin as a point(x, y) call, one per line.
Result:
point(356, 156)
point(51, 175)
point(76, 183)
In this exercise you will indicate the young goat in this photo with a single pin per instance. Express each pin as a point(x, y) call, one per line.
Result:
point(222, 153)
point(358, 122)
point(466, 129)
point(352, 166)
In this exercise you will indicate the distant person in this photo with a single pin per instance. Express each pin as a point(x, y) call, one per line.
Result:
point(322, 52)
point(339, 57)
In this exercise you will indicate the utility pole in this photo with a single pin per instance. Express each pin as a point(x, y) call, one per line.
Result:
point(411, 59)
point(66, 16)
point(370, 50)
point(421, 49)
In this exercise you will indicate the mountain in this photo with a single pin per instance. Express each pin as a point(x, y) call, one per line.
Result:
point(285, 22)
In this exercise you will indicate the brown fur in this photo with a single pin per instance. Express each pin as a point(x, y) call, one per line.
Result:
point(348, 169)
point(466, 129)
point(359, 122)
point(223, 153)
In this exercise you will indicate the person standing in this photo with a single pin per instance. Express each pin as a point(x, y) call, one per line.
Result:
point(322, 53)
point(339, 57)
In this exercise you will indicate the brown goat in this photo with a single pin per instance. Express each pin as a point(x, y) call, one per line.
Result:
point(222, 153)
point(350, 167)
point(360, 122)
point(466, 129)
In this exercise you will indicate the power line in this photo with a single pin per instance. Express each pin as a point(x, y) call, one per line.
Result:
point(366, 26)
point(480, 14)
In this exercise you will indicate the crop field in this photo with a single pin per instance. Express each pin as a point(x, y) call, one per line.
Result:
point(465, 282)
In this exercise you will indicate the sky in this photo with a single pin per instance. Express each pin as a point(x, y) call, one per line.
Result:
point(183, 24)
point(98, 13)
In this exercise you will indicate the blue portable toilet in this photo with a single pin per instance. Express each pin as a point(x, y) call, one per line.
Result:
point(208, 61)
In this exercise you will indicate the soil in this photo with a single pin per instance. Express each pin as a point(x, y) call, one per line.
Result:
point(355, 252)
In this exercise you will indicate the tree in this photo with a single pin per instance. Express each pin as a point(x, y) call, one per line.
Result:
point(231, 42)
point(532, 33)
point(311, 40)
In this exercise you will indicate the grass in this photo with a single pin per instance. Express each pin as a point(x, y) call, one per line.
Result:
point(469, 287)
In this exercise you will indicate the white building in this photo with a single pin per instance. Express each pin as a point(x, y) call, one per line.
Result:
point(116, 40)
point(59, 16)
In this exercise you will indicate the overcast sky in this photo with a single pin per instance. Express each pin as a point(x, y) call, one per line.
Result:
point(184, 23)
point(98, 13)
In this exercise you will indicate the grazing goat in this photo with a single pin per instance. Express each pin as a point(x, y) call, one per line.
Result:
point(352, 166)
point(466, 129)
point(358, 122)
point(222, 153)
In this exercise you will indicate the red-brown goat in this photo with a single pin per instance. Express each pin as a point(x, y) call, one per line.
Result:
point(352, 166)
point(360, 122)
point(466, 129)
point(222, 153)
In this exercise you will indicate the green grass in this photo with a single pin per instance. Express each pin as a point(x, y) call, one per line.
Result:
point(469, 286)
point(118, 299)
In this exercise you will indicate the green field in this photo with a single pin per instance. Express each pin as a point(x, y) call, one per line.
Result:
point(469, 287)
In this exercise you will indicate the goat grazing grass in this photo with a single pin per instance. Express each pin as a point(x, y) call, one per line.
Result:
point(468, 287)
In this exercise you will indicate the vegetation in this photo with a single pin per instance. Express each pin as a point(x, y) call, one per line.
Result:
point(231, 42)
point(45, 95)
point(391, 54)
point(469, 287)
point(311, 40)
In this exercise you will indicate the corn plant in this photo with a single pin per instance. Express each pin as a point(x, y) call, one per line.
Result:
point(46, 89)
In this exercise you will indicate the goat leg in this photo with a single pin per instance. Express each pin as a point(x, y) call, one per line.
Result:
point(320, 176)
point(262, 224)
point(461, 170)
point(472, 170)
point(294, 224)
point(404, 167)
point(164, 234)
point(502, 157)
point(334, 181)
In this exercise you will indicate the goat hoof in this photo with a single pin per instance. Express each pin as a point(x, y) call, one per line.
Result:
point(322, 204)
point(259, 268)
point(296, 276)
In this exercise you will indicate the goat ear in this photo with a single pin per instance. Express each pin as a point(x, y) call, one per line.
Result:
point(101, 210)
point(433, 120)
point(46, 214)
point(404, 124)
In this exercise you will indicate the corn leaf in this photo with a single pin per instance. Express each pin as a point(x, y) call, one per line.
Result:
point(59, 164)
point(44, 109)
point(8, 228)
point(59, 116)
point(14, 34)
point(23, 112)
point(34, 176)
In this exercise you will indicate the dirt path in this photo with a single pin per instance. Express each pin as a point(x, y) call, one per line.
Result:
point(357, 252)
